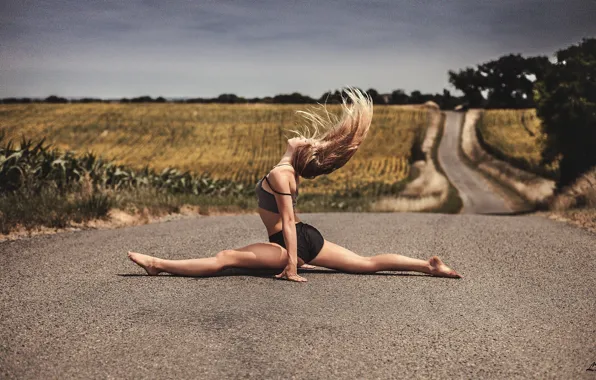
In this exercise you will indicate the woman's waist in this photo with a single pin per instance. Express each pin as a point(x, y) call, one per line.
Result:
point(280, 231)
point(276, 226)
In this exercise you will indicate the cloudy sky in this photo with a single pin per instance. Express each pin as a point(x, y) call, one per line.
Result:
point(116, 48)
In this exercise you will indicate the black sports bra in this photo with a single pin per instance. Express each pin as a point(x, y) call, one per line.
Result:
point(266, 200)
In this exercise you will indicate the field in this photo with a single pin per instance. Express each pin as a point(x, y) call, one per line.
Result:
point(516, 136)
point(236, 142)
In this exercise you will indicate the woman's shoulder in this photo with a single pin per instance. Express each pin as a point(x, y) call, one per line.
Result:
point(284, 178)
point(283, 171)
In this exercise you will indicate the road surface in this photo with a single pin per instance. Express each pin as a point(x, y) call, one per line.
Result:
point(74, 306)
point(474, 190)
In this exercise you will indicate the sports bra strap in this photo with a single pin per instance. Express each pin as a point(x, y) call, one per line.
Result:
point(267, 179)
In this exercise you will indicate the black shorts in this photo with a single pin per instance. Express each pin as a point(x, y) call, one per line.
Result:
point(310, 241)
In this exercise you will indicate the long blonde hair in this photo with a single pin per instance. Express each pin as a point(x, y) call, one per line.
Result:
point(336, 138)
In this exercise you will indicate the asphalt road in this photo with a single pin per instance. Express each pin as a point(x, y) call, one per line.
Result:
point(474, 190)
point(74, 306)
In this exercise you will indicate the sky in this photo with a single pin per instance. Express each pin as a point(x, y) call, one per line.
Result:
point(252, 48)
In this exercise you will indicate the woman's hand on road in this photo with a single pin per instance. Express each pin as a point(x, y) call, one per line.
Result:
point(307, 266)
point(290, 275)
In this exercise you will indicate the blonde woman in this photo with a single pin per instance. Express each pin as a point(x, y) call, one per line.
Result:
point(292, 243)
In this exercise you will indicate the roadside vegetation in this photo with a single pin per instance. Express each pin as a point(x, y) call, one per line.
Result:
point(157, 159)
point(41, 186)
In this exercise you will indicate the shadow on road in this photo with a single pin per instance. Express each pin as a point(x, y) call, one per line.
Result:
point(270, 274)
point(510, 213)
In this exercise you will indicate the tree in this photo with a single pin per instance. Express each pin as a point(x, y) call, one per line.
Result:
point(227, 98)
point(294, 98)
point(55, 99)
point(142, 99)
point(416, 97)
point(399, 97)
point(88, 100)
point(566, 103)
point(375, 96)
point(447, 101)
point(508, 81)
point(470, 82)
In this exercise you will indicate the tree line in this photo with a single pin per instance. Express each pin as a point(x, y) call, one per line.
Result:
point(398, 97)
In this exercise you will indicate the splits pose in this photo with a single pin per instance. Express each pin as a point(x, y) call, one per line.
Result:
point(292, 243)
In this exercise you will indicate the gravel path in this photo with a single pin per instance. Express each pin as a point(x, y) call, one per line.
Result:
point(74, 306)
point(475, 192)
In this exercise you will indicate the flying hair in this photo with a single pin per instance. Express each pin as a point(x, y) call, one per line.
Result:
point(334, 139)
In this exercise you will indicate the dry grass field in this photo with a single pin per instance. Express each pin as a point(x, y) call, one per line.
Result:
point(237, 142)
point(516, 136)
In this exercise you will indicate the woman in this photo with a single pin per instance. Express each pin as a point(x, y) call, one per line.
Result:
point(293, 243)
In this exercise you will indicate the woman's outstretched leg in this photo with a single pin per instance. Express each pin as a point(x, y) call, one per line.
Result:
point(334, 256)
point(257, 256)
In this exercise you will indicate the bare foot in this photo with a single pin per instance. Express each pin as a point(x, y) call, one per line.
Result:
point(438, 268)
point(145, 261)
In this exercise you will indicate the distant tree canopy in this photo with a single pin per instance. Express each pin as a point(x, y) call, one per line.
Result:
point(445, 100)
point(294, 98)
point(88, 100)
point(507, 81)
point(399, 97)
point(566, 102)
point(55, 99)
point(16, 100)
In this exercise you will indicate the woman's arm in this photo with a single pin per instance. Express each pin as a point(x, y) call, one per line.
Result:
point(289, 232)
point(281, 182)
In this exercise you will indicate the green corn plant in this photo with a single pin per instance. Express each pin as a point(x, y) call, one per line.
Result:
point(34, 166)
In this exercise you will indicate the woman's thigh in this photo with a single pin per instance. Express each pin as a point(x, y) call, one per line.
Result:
point(257, 255)
point(336, 257)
